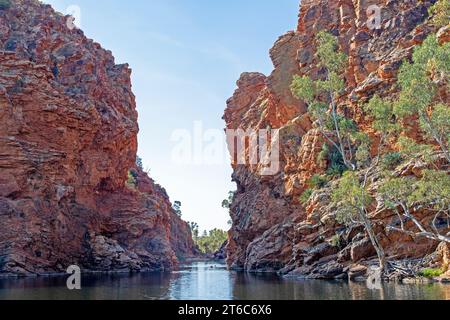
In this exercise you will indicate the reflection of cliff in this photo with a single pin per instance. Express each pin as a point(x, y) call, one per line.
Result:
point(67, 143)
point(271, 230)
point(139, 286)
point(267, 287)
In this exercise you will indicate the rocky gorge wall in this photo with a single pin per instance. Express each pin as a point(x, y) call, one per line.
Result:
point(272, 230)
point(68, 142)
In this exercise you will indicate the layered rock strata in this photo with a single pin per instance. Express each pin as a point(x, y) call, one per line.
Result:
point(271, 230)
point(70, 191)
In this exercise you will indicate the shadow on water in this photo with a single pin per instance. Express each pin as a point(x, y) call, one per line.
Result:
point(209, 281)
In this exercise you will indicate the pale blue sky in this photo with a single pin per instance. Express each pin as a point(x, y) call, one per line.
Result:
point(186, 56)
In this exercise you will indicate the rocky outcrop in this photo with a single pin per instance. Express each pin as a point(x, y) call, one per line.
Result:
point(441, 260)
point(271, 230)
point(68, 141)
point(221, 254)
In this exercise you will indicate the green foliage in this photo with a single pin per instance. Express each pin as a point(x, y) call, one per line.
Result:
point(318, 181)
point(350, 197)
point(347, 126)
point(440, 120)
point(336, 241)
point(306, 196)
point(431, 273)
point(383, 116)
point(304, 88)
point(328, 53)
point(336, 170)
point(177, 208)
point(211, 242)
point(418, 80)
point(432, 190)
point(411, 149)
point(397, 190)
point(194, 230)
point(5, 4)
point(336, 165)
point(324, 153)
point(363, 155)
point(440, 13)
point(132, 178)
point(226, 204)
point(391, 160)
point(321, 95)
point(139, 163)
point(416, 77)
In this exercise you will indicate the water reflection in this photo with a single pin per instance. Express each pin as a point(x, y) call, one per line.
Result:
point(209, 281)
point(202, 281)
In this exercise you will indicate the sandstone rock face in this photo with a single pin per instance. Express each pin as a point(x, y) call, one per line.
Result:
point(68, 140)
point(271, 230)
point(441, 259)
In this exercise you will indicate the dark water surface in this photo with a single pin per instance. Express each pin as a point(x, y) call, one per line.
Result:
point(209, 281)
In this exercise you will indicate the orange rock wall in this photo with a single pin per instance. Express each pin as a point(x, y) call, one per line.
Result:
point(68, 138)
point(271, 230)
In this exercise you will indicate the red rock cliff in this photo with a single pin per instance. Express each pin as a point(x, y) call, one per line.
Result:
point(271, 230)
point(68, 140)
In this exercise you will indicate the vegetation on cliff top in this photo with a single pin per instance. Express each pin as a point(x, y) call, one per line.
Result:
point(209, 242)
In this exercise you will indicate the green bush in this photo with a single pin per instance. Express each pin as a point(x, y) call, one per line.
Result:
point(177, 208)
point(318, 181)
point(336, 165)
point(139, 163)
point(440, 13)
point(336, 170)
point(431, 273)
point(391, 160)
point(210, 242)
point(306, 196)
point(336, 241)
point(132, 178)
point(5, 4)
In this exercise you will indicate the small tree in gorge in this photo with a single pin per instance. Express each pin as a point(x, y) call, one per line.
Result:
point(177, 208)
point(420, 95)
point(342, 133)
point(139, 163)
point(321, 96)
point(353, 198)
point(195, 231)
point(226, 203)
point(408, 195)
